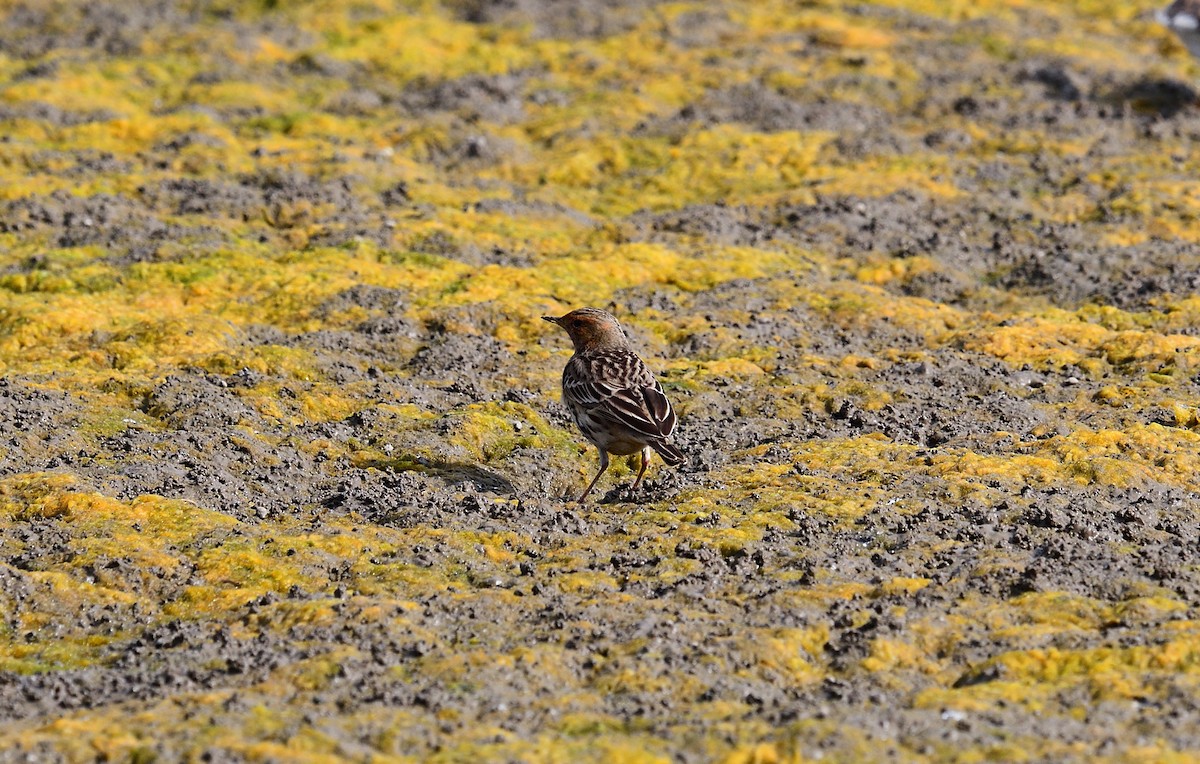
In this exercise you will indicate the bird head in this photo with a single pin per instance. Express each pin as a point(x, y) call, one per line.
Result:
point(591, 329)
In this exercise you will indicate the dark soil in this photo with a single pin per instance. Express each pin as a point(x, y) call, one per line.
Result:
point(1106, 543)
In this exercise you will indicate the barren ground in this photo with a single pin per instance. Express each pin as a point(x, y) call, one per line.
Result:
point(283, 470)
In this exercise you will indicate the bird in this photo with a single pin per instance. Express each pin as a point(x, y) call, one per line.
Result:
point(1183, 17)
point(613, 397)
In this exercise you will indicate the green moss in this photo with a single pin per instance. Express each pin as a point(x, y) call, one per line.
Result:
point(598, 132)
point(109, 421)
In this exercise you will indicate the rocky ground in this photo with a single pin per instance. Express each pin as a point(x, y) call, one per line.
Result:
point(284, 473)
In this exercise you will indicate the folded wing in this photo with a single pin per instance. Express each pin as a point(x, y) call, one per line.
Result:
point(619, 387)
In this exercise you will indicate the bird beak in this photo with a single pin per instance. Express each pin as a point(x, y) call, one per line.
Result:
point(551, 319)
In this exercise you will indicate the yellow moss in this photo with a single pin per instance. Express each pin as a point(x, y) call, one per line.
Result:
point(1058, 610)
point(880, 272)
point(893, 655)
point(762, 753)
point(106, 331)
point(853, 361)
point(824, 593)
point(880, 176)
point(1070, 207)
point(617, 176)
point(1052, 665)
point(490, 431)
point(789, 653)
point(854, 305)
point(1039, 343)
point(1061, 338)
point(592, 582)
point(62, 653)
point(42, 494)
point(1085, 457)
point(732, 367)
point(430, 45)
point(980, 698)
point(904, 585)
point(497, 553)
point(315, 673)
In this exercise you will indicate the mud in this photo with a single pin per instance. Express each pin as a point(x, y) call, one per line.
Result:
point(205, 438)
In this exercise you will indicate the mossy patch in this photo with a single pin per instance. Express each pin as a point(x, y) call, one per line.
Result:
point(282, 419)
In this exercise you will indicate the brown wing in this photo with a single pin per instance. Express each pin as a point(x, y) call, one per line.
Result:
point(617, 386)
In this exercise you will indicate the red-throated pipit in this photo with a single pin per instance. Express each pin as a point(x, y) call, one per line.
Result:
point(616, 401)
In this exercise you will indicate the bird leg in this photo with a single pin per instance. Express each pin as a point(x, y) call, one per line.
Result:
point(591, 485)
point(642, 471)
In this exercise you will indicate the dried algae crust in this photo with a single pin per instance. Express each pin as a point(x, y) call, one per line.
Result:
point(282, 464)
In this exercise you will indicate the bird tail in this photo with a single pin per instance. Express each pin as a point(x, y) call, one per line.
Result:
point(669, 453)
